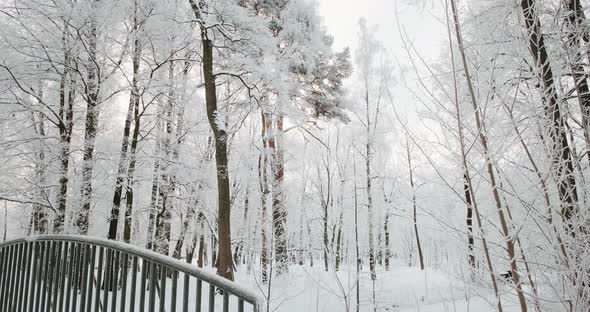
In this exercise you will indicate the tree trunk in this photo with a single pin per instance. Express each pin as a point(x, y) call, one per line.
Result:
point(559, 146)
point(338, 255)
point(490, 170)
point(264, 191)
point(66, 113)
point(325, 203)
point(155, 198)
point(225, 266)
point(414, 212)
point(368, 147)
point(176, 165)
point(577, 33)
point(93, 87)
point(470, 239)
point(464, 157)
point(124, 161)
point(202, 248)
point(387, 247)
point(356, 241)
point(39, 213)
point(127, 233)
point(164, 216)
point(279, 212)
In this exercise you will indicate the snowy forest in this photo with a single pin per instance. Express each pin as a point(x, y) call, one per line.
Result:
point(409, 170)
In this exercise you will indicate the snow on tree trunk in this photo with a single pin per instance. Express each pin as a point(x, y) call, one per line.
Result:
point(91, 122)
point(67, 95)
point(480, 123)
point(122, 170)
point(279, 210)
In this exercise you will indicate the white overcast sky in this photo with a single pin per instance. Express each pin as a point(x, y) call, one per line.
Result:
point(423, 23)
point(420, 22)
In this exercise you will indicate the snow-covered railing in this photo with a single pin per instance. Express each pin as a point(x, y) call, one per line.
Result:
point(81, 273)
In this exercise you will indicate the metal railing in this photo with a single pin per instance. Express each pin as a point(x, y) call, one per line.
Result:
point(81, 273)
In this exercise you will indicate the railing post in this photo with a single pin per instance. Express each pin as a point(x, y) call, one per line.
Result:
point(90, 287)
point(84, 278)
point(114, 283)
point(123, 279)
point(98, 279)
point(48, 284)
point(22, 302)
point(43, 276)
point(63, 272)
point(142, 289)
point(211, 298)
point(134, 267)
point(56, 276)
point(33, 281)
point(5, 291)
point(107, 281)
point(174, 290)
point(13, 269)
point(152, 276)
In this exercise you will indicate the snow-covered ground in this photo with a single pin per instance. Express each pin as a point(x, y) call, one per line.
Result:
point(402, 289)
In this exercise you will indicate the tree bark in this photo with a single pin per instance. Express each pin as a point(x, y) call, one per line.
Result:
point(469, 221)
point(66, 112)
point(387, 247)
point(225, 266)
point(264, 191)
point(39, 213)
point(414, 212)
point(124, 158)
point(91, 94)
point(279, 212)
point(338, 256)
point(464, 162)
point(559, 146)
point(489, 166)
point(577, 33)
point(368, 148)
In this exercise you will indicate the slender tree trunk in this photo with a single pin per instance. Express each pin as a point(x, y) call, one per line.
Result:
point(368, 155)
point(543, 186)
point(264, 191)
point(122, 172)
point(467, 176)
point(338, 256)
point(325, 203)
point(66, 113)
point(356, 242)
point(155, 198)
point(164, 216)
point(279, 212)
point(470, 239)
point(529, 274)
point(490, 170)
point(577, 33)
point(202, 248)
point(39, 213)
point(414, 212)
point(93, 87)
point(225, 266)
point(559, 146)
point(176, 156)
point(387, 247)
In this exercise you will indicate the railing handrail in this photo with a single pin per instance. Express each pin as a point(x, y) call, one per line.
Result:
point(211, 278)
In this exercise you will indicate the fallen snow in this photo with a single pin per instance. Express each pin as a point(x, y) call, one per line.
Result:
point(402, 289)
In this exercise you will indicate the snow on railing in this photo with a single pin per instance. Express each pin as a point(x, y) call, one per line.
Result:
point(82, 273)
